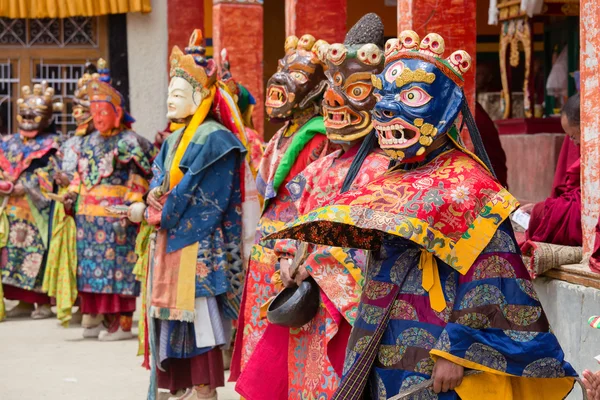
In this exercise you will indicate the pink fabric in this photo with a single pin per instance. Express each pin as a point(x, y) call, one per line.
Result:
point(183, 373)
point(595, 260)
point(26, 296)
point(336, 347)
point(102, 303)
point(268, 362)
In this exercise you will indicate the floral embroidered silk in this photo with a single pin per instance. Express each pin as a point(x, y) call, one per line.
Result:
point(28, 162)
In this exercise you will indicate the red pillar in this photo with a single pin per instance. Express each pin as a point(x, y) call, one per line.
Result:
point(454, 20)
point(324, 19)
point(590, 121)
point(183, 16)
point(238, 27)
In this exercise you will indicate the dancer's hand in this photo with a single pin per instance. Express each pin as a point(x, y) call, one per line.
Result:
point(284, 272)
point(446, 375)
point(591, 381)
point(18, 190)
point(152, 199)
point(62, 179)
point(301, 275)
point(528, 208)
point(69, 200)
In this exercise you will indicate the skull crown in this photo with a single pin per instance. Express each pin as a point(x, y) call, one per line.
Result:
point(431, 48)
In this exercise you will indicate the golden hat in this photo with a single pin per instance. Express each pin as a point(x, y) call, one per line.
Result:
point(192, 65)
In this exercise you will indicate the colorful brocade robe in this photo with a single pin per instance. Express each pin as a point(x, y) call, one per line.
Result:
point(314, 353)
point(293, 150)
point(439, 232)
point(60, 278)
point(202, 210)
point(197, 263)
point(31, 163)
point(111, 171)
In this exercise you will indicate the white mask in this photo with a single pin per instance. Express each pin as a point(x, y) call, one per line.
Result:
point(182, 101)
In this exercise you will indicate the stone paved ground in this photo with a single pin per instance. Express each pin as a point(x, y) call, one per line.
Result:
point(41, 360)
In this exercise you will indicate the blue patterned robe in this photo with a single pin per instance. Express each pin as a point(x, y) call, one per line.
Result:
point(205, 208)
point(110, 171)
point(29, 162)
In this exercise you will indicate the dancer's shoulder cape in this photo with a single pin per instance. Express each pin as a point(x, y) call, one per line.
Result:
point(450, 206)
point(188, 221)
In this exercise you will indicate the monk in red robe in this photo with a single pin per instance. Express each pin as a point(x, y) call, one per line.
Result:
point(557, 220)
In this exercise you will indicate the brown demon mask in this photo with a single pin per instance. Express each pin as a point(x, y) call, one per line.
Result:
point(35, 109)
point(81, 106)
point(299, 81)
point(348, 101)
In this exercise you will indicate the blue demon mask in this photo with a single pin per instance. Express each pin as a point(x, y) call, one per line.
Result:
point(419, 94)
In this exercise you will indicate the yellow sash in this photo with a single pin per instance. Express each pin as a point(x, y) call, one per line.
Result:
point(431, 281)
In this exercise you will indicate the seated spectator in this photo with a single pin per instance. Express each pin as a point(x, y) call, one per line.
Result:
point(557, 220)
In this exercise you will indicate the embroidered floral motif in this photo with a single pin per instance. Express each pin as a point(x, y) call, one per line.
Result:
point(362, 344)
point(413, 283)
point(418, 337)
point(32, 264)
point(202, 270)
point(522, 315)
point(372, 314)
point(21, 235)
point(521, 336)
point(375, 290)
point(482, 295)
point(423, 183)
point(493, 267)
point(443, 342)
point(501, 243)
point(381, 391)
point(389, 355)
point(425, 366)
point(460, 194)
point(426, 394)
point(544, 368)
point(351, 356)
point(475, 321)
point(314, 362)
point(450, 288)
point(404, 310)
point(527, 286)
point(486, 356)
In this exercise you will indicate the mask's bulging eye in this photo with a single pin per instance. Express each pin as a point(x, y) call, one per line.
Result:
point(414, 97)
point(394, 72)
point(299, 76)
point(358, 91)
point(337, 79)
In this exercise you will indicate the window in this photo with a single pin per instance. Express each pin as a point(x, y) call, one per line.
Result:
point(54, 50)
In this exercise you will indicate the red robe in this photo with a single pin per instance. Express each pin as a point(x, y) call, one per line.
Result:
point(595, 260)
point(557, 220)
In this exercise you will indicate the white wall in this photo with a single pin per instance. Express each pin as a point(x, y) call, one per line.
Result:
point(568, 308)
point(147, 50)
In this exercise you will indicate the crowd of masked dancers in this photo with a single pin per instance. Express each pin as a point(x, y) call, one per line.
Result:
point(358, 254)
